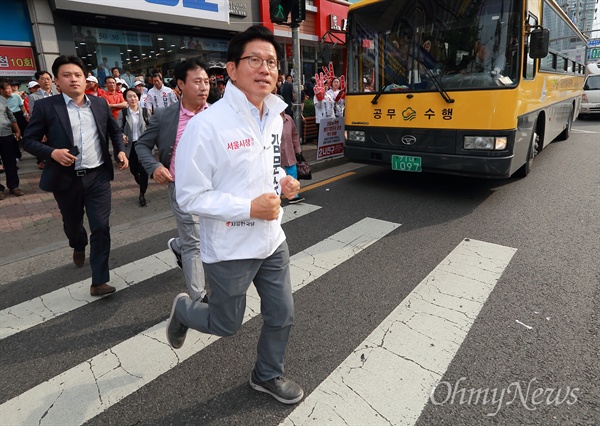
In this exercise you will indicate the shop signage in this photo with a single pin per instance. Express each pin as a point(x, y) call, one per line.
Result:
point(205, 44)
point(237, 9)
point(17, 61)
point(336, 23)
point(127, 38)
point(214, 10)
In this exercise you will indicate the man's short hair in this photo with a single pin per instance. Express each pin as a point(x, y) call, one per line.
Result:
point(238, 43)
point(157, 74)
point(65, 60)
point(40, 73)
point(182, 68)
point(109, 77)
point(115, 68)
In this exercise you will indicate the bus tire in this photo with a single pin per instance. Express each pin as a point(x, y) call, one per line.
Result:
point(567, 132)
point(534, 149)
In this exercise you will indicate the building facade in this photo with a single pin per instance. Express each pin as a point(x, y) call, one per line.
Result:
point(582, 13)
point(138, 36)
point(322, 36)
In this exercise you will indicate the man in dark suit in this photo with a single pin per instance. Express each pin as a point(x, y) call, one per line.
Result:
point(78, 164)
point(287, 91)
point(164, 131)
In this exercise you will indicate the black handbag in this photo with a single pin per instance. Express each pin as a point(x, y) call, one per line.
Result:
point(303, 167)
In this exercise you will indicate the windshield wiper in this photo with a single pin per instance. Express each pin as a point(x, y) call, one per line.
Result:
point(430, 74)
point(378, 95)
point(436, 82)
point(391, 80)
point(439, 87)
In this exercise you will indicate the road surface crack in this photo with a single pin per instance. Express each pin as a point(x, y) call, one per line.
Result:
point(96, 382)
point(51, 405)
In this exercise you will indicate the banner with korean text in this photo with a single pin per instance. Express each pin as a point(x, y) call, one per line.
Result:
point(17, 61)
point(331, 138)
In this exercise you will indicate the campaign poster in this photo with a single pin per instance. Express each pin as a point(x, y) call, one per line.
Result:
point(331, 138)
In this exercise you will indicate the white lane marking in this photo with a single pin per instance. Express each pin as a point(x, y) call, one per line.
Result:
point(28, 314)
point(583, 131)
point(388, 378)
point(98, 383)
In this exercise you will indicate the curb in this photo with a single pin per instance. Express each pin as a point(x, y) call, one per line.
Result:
point(317, 166)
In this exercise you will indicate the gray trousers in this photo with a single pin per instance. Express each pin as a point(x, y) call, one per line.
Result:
point(188, 245)
point(223, 314)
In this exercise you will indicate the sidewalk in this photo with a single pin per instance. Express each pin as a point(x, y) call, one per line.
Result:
point(32, 224)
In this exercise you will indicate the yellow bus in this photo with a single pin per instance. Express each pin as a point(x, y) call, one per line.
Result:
point(466, 87)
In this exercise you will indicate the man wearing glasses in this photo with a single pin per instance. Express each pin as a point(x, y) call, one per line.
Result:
point(229, 173)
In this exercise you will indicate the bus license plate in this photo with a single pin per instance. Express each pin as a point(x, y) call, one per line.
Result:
point(406, 164)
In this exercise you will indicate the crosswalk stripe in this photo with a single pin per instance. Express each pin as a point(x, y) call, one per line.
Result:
point(86, 390)
point(388, 378)
point(28, 314)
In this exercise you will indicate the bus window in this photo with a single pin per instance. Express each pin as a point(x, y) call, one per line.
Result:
point(529, 69)
point(408, 45)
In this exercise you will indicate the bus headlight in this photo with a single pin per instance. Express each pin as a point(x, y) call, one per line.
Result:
point(355, 135)
point(485, 142)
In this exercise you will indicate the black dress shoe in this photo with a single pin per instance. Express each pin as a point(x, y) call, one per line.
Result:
point(79, 258)
point(101, 290)
point(142, 200)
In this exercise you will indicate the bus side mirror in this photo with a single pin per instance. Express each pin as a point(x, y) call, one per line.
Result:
point(539, 40)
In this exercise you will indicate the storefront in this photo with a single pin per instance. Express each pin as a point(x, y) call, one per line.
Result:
point(17, 62)
point(138, 36)
point(141, 35)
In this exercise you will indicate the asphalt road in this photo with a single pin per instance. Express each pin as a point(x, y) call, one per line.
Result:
point(533, 346)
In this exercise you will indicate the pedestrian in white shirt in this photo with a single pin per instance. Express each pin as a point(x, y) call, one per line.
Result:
point(144, 103)
point(160, 96)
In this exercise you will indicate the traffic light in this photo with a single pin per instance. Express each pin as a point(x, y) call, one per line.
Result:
point(280, 9)
point(298, 11)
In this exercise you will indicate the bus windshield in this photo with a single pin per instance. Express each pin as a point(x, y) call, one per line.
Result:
point(408, 45)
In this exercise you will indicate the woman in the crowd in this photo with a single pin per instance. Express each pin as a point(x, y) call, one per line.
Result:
point(133, 121)
point(335, 94)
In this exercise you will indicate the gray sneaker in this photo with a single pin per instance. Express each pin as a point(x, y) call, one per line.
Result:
point(176, 331)
point(283, 390)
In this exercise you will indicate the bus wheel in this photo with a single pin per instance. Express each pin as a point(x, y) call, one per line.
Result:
point(567, 132)
point(534, 150)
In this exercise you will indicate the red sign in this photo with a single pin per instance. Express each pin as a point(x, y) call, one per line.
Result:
point(288, 51)
point(17, 61)
point(330, 151)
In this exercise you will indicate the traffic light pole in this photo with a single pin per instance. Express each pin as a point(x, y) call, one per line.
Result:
point(298, 67)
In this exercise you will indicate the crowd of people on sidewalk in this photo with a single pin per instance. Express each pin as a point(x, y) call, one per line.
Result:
point(226, 153)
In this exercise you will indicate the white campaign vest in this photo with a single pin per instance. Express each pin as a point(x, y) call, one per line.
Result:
point(222, 163)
